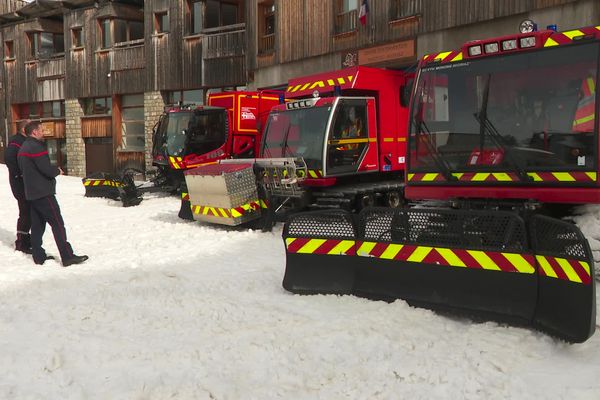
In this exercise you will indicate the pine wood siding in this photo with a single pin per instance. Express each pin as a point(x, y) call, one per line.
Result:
point(164, 61)
point(309, 28)
point(96, 126)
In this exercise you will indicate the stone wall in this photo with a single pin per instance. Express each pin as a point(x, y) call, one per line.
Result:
point(154, 106)
point(75, 143)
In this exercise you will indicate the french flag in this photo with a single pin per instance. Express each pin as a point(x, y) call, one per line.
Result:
point(364, 10)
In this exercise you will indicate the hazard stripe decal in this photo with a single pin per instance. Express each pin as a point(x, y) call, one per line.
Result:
point(101, 182)
point(556, 39)
point(338, 80)
point(563, 177)
point(236, 212)
point(522, 263)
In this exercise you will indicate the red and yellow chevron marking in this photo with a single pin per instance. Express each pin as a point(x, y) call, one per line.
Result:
point(101, 182)
point(563, 176)
point(427, 177)
point(340, 80)
point(488, 260)
point(523, 263)
point(507, 177)
point(176, 162)
point(320, 246)
point(556, 39)
point(236, 212)
point(567, 37)
point(315, 173)
point(486, 176)
point(444, 57)
point(561, 268)
point(185, 196)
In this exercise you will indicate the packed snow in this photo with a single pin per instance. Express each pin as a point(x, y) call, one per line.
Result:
point(170, 309)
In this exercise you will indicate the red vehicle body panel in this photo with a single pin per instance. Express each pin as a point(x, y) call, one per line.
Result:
point(571, 187)
point(387, 122)
point(247, 112)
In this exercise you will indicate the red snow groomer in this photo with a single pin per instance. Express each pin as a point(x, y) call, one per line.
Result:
point(500, 130)
point(337, 142)
point(189, 135)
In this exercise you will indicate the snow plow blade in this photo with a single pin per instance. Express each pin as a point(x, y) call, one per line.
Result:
point(111, 187)
point(102, 185)
point(489, 264)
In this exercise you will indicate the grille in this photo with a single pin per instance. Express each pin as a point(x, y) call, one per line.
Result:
point(560, 238)
point(330, 224)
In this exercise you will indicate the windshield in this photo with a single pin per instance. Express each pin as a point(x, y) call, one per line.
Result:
point(170, 130)
point(297, 133)
point(527, 111)
point(186, 132)
point(207, 131)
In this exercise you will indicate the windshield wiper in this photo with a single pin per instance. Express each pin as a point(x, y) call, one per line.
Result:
point(285, 142)
point(486, 126)
point(422, 128)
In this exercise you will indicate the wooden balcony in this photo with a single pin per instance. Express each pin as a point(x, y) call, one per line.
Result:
point(266, 44)
point(402, 9)
point(224, 41)
point(128, 55)
point(346, 22)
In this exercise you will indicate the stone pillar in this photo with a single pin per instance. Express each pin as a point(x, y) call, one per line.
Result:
point(154, 106)
point(75, 144)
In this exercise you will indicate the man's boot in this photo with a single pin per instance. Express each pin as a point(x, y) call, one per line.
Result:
point(23, 243)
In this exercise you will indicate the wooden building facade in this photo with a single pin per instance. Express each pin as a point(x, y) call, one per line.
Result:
point(289, 38)
point(98, 73)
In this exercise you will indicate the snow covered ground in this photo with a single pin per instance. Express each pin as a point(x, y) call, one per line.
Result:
point(167, 309)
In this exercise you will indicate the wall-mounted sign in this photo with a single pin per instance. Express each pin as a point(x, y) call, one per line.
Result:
point(387, 52)
point(349, 59)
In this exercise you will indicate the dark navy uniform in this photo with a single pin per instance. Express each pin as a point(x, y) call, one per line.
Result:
point(23, 242)
point(40, 187)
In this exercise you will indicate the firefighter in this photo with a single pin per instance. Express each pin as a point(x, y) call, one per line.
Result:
point(40, 187)
point(353, 128)
point(23, 242)
point(585, 113)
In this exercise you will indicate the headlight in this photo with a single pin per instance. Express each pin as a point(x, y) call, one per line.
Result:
point(475, 51)
point(509, 44)
point(527, 41)
point(491, 48)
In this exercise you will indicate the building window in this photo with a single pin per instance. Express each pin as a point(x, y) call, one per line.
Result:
point(105, 34)
point(132, 123)
point(266, 41)
point(9, 49)
point(120, 30)
point(77, 37)
point(185, 96)
point(220, 13)
point(57, 152)
point(161, 24)
point(97, 106)
point(126, 31)
point(195, 7)
point(45, 44)
point(45, 109)
point(400, 9)
point(346, 16)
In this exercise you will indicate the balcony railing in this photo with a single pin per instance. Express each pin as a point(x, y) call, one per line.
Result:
point(226, 41)
point(400, 9)
point(346, 22)
point(128, 55)
point(266, 44)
